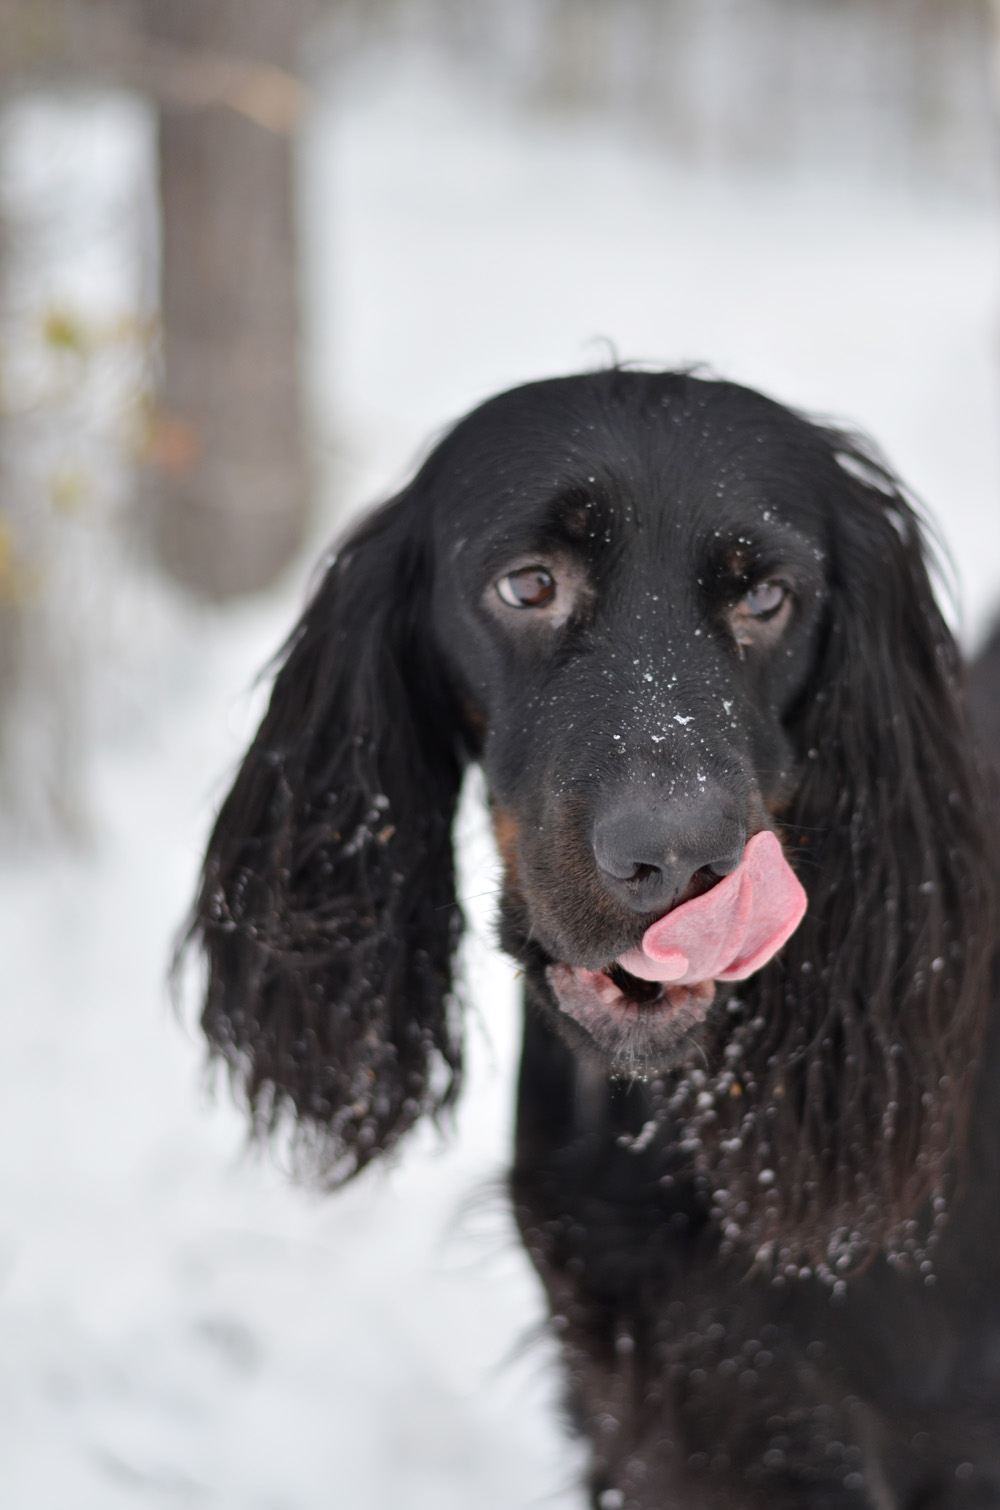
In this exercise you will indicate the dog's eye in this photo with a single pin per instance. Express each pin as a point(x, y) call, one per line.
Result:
point(530, 587)
point(763, 601)
point(760, 616)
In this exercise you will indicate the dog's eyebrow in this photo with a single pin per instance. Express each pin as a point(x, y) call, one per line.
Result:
point(565, 525)
point(748, 549)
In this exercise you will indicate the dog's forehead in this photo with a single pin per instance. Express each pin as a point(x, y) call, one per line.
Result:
point(678, 457)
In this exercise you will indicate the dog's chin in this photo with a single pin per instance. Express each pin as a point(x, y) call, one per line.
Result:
point(639, 1027)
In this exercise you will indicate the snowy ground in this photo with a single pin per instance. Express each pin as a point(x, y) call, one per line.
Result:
point(178, 1324)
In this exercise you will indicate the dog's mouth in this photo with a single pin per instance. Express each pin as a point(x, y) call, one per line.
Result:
point(601, 998)
point(669, 979)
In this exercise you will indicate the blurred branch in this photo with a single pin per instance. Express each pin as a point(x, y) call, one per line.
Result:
point(108, 40)
point(195, 79)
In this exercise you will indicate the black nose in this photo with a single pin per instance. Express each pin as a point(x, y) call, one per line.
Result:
point(647, 855)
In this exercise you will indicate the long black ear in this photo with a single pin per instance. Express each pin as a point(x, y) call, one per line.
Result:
point(984, 699)
point(327, 911)
point(862, 1038)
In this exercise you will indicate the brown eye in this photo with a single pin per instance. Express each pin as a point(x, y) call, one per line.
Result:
point(763, 601)
point(531, 587)
point(761, 616)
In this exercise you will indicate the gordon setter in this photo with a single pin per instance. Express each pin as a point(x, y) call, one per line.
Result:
point(751, 876)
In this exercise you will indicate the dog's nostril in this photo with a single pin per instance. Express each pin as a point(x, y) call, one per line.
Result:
point(716, 869)
point(704, 879)
point(644, 873)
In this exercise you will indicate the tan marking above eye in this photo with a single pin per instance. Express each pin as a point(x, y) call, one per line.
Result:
point(528, 587)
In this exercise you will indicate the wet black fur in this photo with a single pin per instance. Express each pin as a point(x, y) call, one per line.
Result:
point(774, 1259)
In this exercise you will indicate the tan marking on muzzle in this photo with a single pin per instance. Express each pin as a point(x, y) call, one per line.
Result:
point(505, 831)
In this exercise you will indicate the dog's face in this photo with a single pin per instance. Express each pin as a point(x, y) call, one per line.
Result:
point(629, 593)
point(691, 638)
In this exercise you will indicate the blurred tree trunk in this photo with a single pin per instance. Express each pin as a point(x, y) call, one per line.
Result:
point(231, 506)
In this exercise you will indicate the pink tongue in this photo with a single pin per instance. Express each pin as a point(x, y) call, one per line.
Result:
point(730, 931)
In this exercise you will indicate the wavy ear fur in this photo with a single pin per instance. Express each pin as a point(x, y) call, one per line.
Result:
point(327, 912)
point(860, 1043)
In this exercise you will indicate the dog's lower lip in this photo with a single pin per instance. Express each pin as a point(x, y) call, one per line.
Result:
point(588, 995)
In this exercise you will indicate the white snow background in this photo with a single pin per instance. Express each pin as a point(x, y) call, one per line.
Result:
point(179, 1325)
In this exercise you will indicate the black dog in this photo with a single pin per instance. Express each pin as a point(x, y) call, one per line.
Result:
point(672, 620)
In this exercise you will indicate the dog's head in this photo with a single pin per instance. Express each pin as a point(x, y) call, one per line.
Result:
point(689, 636)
